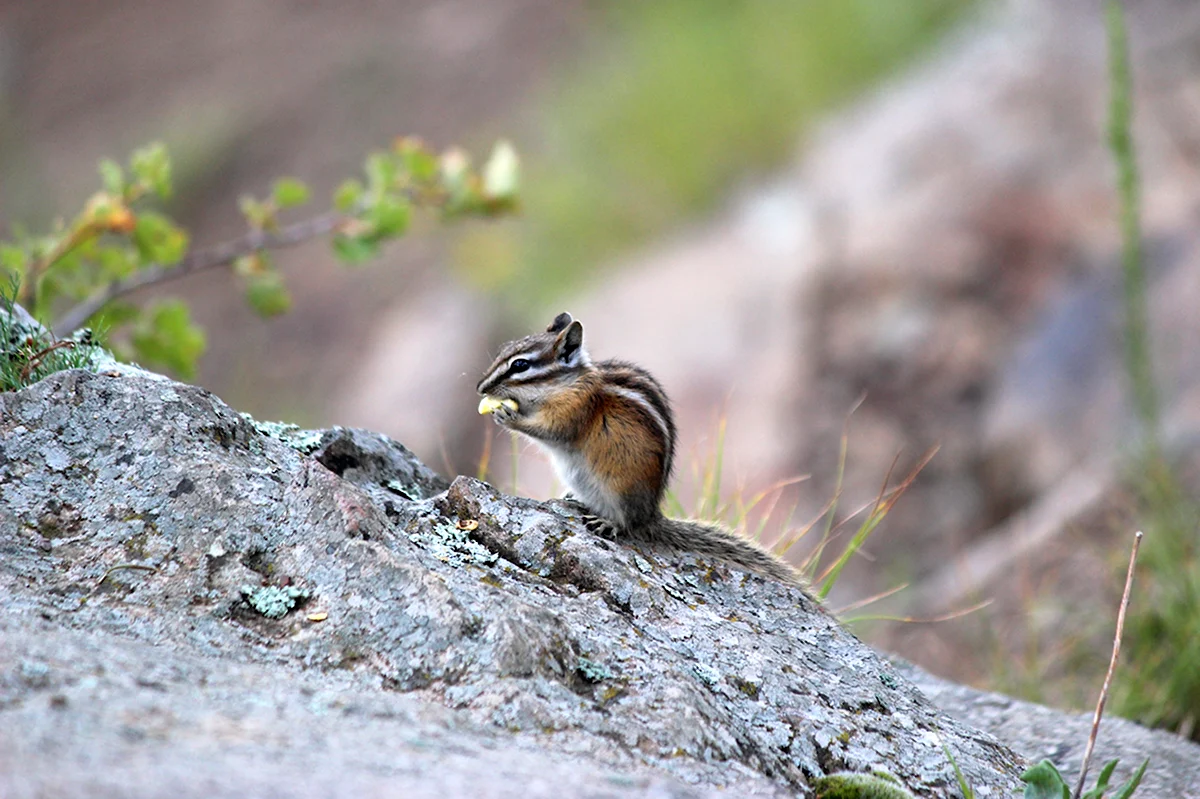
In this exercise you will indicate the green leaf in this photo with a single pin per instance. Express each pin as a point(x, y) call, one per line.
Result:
point(112, 176)
point(1101, 781)
point(963, 786)
point(166, 336)
point(267, 294)
point(419, 163)
point(381, 172)
point(1044, 782)
point(116, 262)
point(152, 166)
point(388, 216)
point(501, 173)
point(158, 239)
point(354, 249)
point(347, 196)
point(289, 192)
point(1126, 790)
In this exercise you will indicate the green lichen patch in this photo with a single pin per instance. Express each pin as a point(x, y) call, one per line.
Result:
point(592, 671)
point(450, 544)
point(306, 442)
point(707, 674)
point(273, 602)
point(410, 492)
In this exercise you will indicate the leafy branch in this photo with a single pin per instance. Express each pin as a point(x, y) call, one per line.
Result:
point(199, 261)
point(82, 271)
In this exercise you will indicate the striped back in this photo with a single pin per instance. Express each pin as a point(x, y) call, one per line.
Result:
point(643, 393)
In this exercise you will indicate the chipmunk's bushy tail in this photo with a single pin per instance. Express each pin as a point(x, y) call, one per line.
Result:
point(709, 539)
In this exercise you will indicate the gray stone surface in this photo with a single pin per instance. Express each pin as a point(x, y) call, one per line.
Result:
point(90, 715)
point(453, 643)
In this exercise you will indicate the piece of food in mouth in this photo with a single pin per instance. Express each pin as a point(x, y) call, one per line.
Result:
point(489, 404)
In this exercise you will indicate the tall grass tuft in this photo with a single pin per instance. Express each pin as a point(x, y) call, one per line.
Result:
point(28, 352)
point(737, 511)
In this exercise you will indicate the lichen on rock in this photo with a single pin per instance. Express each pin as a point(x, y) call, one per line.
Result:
point(274, 602)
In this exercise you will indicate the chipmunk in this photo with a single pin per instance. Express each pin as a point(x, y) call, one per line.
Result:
point(610, 433)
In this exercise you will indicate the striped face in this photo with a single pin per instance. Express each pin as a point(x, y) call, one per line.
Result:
point(529, 365)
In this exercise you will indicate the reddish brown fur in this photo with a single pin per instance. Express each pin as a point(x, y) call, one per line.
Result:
point(608, 430)
point(623, 451)
point(623, 446)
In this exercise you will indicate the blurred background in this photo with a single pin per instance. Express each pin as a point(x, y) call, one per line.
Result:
point(780, 209)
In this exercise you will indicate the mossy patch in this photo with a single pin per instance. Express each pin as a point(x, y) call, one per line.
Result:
point(450, 544)
point(411, 492)
point(273, 602)
point(306, 442)
point(845, 785)
point(592, 671)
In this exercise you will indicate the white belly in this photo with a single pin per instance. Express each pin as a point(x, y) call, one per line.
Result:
point(573, 470)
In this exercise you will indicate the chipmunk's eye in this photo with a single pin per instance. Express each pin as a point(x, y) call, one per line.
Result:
point(519, 365)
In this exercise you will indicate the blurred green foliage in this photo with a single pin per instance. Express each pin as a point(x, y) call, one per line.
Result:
point(1159, 684)
point(681, 99)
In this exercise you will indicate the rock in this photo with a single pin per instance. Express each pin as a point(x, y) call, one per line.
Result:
point(95, 714)
point(420, 628)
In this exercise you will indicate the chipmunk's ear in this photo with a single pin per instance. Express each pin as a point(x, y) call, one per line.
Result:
point(570, 345)
point(560, 322)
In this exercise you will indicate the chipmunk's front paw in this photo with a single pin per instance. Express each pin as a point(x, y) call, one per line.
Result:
point(575, 504)
point(601, 527)
point(503, 410)
point(505, 415)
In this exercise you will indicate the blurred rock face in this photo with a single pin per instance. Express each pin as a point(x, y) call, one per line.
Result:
point(946, 250)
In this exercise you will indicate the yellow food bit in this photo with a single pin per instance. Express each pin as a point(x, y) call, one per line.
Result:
point(489, 404)
point(319, 616)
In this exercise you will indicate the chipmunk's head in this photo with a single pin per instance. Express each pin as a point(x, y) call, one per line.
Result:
point(528, 369)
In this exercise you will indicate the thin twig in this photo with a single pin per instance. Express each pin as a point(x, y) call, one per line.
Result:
point(198, 261)
point(120, 566)
point(947, 616)
point(77, 237)
point(1112, 666)
point(36, 360)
